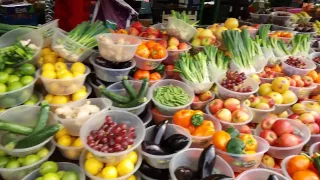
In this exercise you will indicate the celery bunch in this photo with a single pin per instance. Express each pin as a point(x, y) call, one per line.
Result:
point(183, 16)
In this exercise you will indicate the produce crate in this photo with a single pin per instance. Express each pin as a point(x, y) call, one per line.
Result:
point(20, 8)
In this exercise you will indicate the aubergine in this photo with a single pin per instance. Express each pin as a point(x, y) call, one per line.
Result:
point(184, 173)
point(272, 177)
point(110, 64)
point(159, 131)
point(161, 174)
point(207, 161)
point(152, 148)
point(217, 177)
point(175, 142)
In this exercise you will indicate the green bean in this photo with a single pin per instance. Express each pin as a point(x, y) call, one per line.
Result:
point(171, 96)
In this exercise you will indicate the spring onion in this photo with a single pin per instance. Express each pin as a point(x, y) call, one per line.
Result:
point(301, 43)
point(217, 62)
point(183, 16)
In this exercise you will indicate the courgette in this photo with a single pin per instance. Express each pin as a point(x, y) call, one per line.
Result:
point(143, 89)
point(133, 103)
point(113, 96)
point(130, 90)
point(35, 138)
point(43, 117)
point(15, 128)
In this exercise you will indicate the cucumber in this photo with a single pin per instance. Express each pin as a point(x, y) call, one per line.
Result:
point(35, 138)
point(15, 128)
point(43, 117)
point(133, 103)
point(113, 96)
point(143, 89)
point(130, 90)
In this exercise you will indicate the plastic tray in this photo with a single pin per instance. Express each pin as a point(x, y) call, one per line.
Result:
point(73, 125)
point(190, 158)
point(17, 97)
point(180, 29)
point(119, 89)
point(303, 92)
point(260, 18)
point(64, 86)
point(28, 116)
point(69, 49)
point(146, 63)
point(198, 88)
point(173, 55)
point(118, 52)
point(201, 105)
point(117, 116)
point(283, 152)
point(290, 70)
point(109, 74)
point(47, 31)
point(21, 172)
point(259, 172)
point(243, 162)
point(63, 166)
point(158, 161)
point(171, 110)
point(260, 114)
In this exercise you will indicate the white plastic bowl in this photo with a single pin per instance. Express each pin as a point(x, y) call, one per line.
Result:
point(160, 26)
point(119, 89)
point(147, 63)
point(259, 172)
point(284, 166)
point(64, 86)
point(17, 97)
point(278, 170)
point(119, 117)
point(284, 28)
point(226, 93)
point(180, 29)
point(290, 70)
point(92, 177)
point(27, 116)
point(280, 108)
point(118, 52)
point(73, 125)
point(19, 173)
point(198, 88)
point(158, 118)
point(303, 92)
point(314, 148)
point(243, 162)
point(281, 20)
point(260, 18)
point(171, 110)
point(109, 74)
point(71, 51)
point(190, 158)
point(260, 114)
point(47, 31)
point(201, 105)
point(158, 161)
point(282, 152)
point(173, 55)
point(63, 166)
point(69, 152)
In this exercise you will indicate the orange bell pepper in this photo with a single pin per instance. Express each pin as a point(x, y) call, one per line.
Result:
point(143, 51)
point(141, 74)
point(157, 51)
point(250, 142)
point(155, 76)
point(183, 118)
point(203, 130)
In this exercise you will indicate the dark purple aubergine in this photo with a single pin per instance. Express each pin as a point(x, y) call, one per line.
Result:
point(217, 177)
point(175, 142)
point(184, 173)
point(152, 148)
point(110, 64)
point(151, 172)
point(207, 161)
point(272, 177)
point(159, 131)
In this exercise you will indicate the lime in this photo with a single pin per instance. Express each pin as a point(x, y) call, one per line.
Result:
point(4, 77)
point(29, 102)
point(3, 88)
point(31, 159)
point(20, 160)
point(25, 80)
point(61, 173)
point(27, 69)
point(13, 78)
point(3, 161)
point(17, 73)
point(43, 152)
point(51, 176)
point(9, 70)
point(12, 164)
point(2, 153)
point(70, 175)
point(48, 167)
point(14, 86)
point(39, 178)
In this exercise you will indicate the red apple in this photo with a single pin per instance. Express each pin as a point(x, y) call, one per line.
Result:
point(254, 101)
point(316, 115)
point(296, 77)
point(263, 106)
point(293, 116)
point(164, 36)
point(224, 115)
point(289, 140)
point(134, 31)
point(152, 36)
point(154, 31)
point(269, 136)
point(137, 25)
point(291, 81)
point(215, 106)
point(268, 100)
point(299, 83)
point(306, 118)
point(143, 34)
point(314, 128)
point(282, 127)
point(183, 45)
point(245, 129)
point(239, 116)
point(173, 41)
point(196, 99)
point(232, 104)
point(205, 96)
point(308, 81)
point(267, 123)
point(163, 43)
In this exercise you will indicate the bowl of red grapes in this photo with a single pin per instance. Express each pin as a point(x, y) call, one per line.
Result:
point(237, 85)
point(297, 65)
point(111, 135)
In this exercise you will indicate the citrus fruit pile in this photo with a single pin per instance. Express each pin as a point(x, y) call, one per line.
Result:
point(64, 99)
point(49, 56)
point(59, 70)
point(50, 171)
point(64, 139)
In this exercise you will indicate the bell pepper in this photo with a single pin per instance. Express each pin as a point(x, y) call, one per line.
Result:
point(316, 162)
point(235, 146)
point(141, 74)
point(203, 130)
point(155, 76)
point(208, 123)
point(143, 51)
point(160, 69)
point(198, 112)
point(233, 132)
point(157, 52)
point(183, 118)
point(197, 120)
point(250, 142)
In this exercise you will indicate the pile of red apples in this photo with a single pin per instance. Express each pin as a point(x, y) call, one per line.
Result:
point(260, 102)
point(137, 29)
point(298, 81)
point(174, 44)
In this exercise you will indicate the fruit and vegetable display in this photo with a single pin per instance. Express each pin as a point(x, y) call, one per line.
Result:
point(234, 81)
point(151, 50)
point(301, 17)
point(282, 34)
point(302, 167)
point(174, 44)
point(271, 72)
point(201, 100)
point(171, 96)
point(137, 29)
point(261, 102)
point(50, 170)
point(152, 75)
point(86, 109)
point(64, 99)
point(305, 28)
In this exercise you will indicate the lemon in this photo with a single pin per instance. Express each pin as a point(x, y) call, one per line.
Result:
point(59, 100)
point(49, 97)
point(48, 67)
point(77, 74)
point(49, 74)
point(99, 175)
point(54, 54)
point(62, 71)
point(40, 62)
point(68, 97)
point(60, 65)
point(78, 67)
point(125, 167)
point(64, 140)
point(60, 60)
point(66, 75)
point(83, 88)
point(50, 58)
point(109, 172)
point(61, 133)
point(45, 51)
point(133, 177)
point(77, 143)
point(133, 157)
point(89, 155)
point(93, 166)
point(79, 95)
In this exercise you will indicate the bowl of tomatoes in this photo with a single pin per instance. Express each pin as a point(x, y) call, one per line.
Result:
point(285, 36)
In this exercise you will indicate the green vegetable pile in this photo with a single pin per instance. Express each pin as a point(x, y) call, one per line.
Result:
point(299, 44)
point(132, 98)
point(183, 16)
point(202, 67)
point(4, 28)
point(171, 96)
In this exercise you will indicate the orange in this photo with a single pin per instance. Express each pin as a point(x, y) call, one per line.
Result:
point(298, 163)
point(220, 139)
point(314, 75)
point(305, 175)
